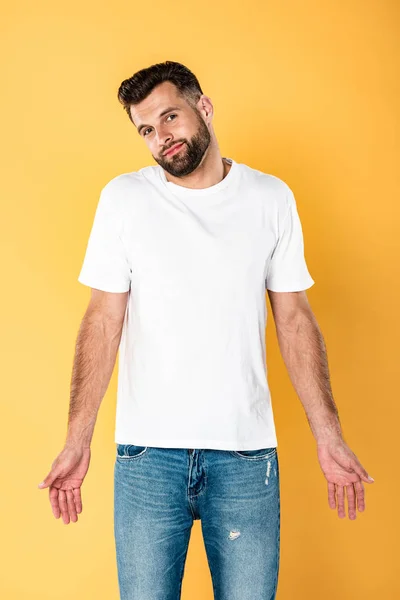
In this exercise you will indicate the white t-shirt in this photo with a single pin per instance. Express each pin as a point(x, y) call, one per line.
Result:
point(192, 357)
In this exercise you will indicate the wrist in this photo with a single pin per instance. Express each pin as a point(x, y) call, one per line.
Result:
point(328, 432)
point(77, 440)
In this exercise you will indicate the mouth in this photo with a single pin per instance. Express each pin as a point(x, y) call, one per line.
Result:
point(173, 148)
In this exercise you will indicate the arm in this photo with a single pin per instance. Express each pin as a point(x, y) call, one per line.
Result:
point(304, 353)
point(303, 350)
point(106, 270)
point(96, 350)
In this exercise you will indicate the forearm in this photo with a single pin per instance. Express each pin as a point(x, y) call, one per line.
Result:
point(304, 353)
point(96, 350)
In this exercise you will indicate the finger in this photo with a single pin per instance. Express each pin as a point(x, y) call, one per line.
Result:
point(331, 495)
point(78, 499)
point(340, 498)
point(53, 497)
point(361, 472)
point(71, 506)
point(351, 501)
point(48, 480)
point(360, 495)
point(62, 500)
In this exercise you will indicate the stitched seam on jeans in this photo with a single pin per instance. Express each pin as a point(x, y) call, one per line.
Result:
point(259, 457)
point(126, 456)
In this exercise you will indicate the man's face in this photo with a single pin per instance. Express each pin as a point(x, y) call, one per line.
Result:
point(183, 124)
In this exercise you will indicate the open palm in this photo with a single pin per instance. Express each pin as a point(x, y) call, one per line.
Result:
point(65, 480)
point(343, 470)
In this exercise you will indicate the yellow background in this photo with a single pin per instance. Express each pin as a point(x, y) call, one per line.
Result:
point(305, 90)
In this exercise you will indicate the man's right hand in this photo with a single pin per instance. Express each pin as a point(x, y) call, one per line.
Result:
point(64, 482)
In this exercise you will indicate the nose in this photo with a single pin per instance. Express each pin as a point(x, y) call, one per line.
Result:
point(164, 143)
point(164, 137)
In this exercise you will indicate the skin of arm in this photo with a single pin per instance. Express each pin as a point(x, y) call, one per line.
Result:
point(95, 355)
point(96, 350)
point(303, 350)
point(304, 353)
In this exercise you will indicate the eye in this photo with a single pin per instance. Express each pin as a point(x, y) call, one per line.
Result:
point(171, 115)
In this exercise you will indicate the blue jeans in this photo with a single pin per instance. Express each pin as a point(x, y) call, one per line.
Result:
point(158, 492)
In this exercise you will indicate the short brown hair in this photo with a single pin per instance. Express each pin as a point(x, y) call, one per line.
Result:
point(141, 84)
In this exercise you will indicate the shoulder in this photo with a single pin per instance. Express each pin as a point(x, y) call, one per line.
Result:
point(124, 182)
point(121, 190)
point(274, 190)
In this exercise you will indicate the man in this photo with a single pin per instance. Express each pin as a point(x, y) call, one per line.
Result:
point(178, 259)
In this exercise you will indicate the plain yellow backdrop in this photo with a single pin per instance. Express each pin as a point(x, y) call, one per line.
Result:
point(307, 91)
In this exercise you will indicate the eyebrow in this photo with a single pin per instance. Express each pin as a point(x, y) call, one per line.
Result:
point(164, 112)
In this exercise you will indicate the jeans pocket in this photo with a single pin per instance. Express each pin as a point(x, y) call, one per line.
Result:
point(130, 451)
point(259, 454)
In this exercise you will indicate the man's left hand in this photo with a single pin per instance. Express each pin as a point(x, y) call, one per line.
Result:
point(343, 470)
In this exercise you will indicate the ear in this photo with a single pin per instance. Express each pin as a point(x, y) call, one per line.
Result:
point(205, 106)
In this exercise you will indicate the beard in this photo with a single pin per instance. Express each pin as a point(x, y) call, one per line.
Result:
point(188, 158)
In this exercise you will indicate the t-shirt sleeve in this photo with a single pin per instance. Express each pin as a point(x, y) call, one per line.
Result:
point(105, 265)
point(288, 271)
